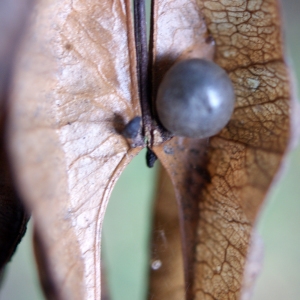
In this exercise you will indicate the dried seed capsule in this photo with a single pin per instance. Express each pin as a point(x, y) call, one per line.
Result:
point(195, 99)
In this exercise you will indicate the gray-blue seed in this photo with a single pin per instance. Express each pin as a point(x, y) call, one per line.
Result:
point(195, 99)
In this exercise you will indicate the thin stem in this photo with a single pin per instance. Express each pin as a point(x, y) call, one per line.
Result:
point(142, 63)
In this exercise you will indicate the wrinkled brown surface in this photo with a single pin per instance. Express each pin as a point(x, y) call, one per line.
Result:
point(74, 89)
point(13, 217)
point(166, 275)
point(227, 178)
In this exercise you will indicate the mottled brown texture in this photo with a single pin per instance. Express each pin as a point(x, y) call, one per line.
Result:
point(186, 163)
point(74, 90)
point(242, 160)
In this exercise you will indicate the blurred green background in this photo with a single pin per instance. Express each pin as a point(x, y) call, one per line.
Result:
point(127, 224)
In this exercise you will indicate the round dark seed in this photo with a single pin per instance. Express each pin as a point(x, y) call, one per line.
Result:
point(131, 129)
point(195, 99)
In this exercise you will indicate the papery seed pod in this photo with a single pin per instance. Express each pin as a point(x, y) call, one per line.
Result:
point(195, 99)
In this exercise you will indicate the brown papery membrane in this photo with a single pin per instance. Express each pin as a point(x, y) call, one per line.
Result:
point(75, 88)
point(221, 183)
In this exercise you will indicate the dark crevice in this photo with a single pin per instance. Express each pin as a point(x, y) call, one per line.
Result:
point(140, 30)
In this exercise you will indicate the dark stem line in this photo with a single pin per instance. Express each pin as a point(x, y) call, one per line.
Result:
point(140, 31)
